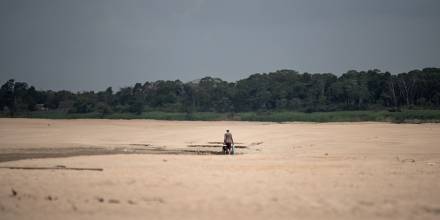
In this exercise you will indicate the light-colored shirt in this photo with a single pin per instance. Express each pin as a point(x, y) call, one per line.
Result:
point(228, 138)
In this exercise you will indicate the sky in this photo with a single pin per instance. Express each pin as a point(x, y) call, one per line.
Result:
point(82, 45)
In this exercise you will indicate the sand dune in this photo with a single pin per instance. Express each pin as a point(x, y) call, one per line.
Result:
point(172, 170)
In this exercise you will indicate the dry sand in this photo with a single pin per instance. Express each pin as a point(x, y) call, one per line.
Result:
point(169, 170)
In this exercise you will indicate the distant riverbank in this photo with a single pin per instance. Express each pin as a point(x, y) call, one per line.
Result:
point(404, 116)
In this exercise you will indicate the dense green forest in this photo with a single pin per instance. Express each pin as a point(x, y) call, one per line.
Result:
point(283, 90)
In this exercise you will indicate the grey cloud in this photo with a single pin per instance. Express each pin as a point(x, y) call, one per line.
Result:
point(91, 44)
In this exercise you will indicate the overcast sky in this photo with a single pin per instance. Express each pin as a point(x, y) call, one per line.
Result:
point(92, 44)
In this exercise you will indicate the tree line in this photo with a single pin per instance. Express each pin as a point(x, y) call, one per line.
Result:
point(282, 90)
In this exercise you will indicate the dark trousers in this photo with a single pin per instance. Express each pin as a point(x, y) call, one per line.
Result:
point(228, 145)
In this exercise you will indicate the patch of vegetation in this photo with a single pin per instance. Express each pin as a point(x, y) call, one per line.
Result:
point(405, 116)
point(283, 95)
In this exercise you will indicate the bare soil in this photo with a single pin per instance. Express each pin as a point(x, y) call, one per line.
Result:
point(174, 170)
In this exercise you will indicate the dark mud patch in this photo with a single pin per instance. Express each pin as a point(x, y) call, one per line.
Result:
point(142, 145)
point(52, 168)
point(13, 154)
point(214, 145)
point(34, 153)
point(431, 210)
point(218, 142)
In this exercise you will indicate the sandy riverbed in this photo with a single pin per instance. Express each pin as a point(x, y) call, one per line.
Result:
point(171, 170)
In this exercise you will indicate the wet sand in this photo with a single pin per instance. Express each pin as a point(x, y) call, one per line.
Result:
point(174, 170)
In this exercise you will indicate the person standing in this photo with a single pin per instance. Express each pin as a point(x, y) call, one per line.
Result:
point(228, 141)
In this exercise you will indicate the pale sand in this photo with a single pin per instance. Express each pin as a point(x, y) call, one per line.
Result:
point(288, 171)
